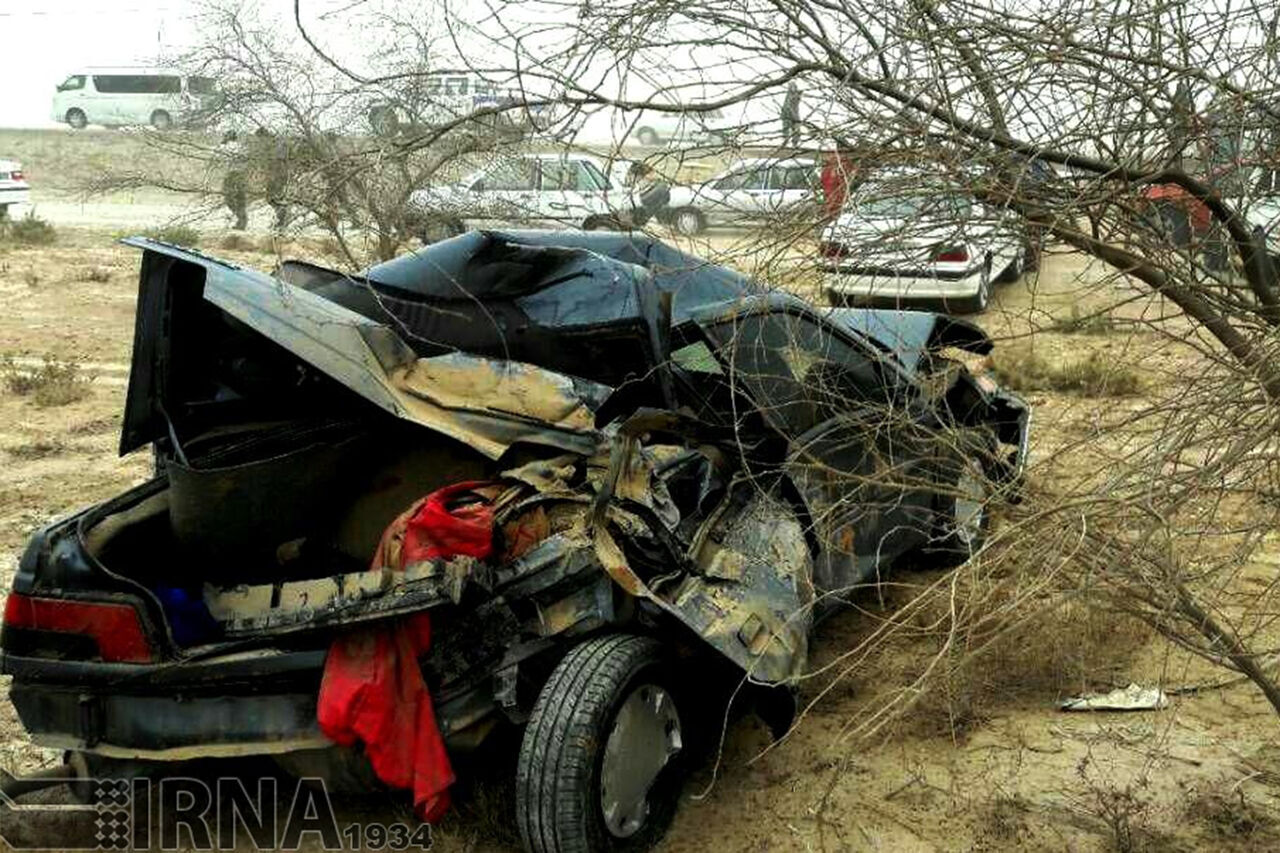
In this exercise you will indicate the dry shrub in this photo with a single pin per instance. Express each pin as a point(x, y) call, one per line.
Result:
point(236, 242)
point(1065, 649)
point(30, 230)
point(96, 275)
point(175, 235)
point(1021, 369)
point(1225, 812)
point(54, 383)
point(31, 278)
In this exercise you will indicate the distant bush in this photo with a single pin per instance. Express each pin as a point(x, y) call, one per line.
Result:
point(54, 383)
point(30, 230)
point(1087, 324)
point(1095, 376)
point(177, 235)
point(97, 275)
point(235, 242)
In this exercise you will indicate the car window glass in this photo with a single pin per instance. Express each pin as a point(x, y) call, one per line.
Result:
point(510, 175)
point(790, 178)
point(756, 179)
point(563, 175)
point(697, 358)
point(75, 81)
point(201, 85)
point(593, 178)
point(799, 371)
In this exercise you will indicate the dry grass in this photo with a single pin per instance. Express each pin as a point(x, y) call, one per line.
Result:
point(1225, 812)
point(95, 275)
point(40, 448)
point(53, 383)
point(236, 242)
point(1095, 375)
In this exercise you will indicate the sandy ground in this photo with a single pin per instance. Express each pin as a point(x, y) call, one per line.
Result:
point(1017, 775)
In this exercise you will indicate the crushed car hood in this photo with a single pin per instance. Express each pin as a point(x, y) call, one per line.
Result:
point(521, 402)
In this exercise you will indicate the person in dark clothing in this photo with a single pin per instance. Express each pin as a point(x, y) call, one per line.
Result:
point(235, 183)
point(650, 195)
point(791, 115)
point(273, 153)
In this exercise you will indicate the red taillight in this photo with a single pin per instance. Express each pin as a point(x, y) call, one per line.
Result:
point(15, 176)
point(829, 249)
point(116, 628)
point(952, 254)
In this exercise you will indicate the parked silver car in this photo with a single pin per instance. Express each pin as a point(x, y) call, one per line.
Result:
point(909, 237)
point(556, 190)
point(749, 191)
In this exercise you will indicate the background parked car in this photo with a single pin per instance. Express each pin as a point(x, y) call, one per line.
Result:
point(755, 190)
point(692, 125)
point(541, 189)
point(906, 237)
point(14, 189)
point(116, 97)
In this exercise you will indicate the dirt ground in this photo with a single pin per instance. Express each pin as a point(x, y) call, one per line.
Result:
point(1012, 774)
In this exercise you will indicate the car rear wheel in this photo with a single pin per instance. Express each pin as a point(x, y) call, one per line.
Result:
point(1012, 272)
point(601, 764)
point(647, 136)
point(77, 119)
point(161, 120)
point(689, 222)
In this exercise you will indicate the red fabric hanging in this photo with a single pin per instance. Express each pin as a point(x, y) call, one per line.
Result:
point(372, 690)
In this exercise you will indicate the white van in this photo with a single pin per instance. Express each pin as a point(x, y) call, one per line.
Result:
point(115, 97)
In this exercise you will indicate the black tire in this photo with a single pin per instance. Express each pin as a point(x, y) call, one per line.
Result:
point(647, 136)
point(77, 119)
point(561, 775)
point(161, 120)
point(688, 222)
point(1013, 272)
point(978, 302)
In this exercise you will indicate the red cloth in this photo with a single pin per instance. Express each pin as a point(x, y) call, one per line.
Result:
point(1198, 214)
point(372, 690)
point(838, 171)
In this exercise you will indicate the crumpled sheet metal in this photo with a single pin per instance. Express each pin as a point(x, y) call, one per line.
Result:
point(491, 404)
point(1135, 697)
point(748, 591)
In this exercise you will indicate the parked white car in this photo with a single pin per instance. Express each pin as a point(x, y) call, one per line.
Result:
point(750, 191)
point(117, 97)
point(908, 237)
point(534, 189)
point(656, 127)
point(14, 189)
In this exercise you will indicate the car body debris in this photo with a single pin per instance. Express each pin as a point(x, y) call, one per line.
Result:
point(680, 473)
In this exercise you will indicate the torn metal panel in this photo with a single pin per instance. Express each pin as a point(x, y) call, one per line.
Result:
point(527, 404)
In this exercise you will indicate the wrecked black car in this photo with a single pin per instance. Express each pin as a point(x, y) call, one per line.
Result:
point(609, 473)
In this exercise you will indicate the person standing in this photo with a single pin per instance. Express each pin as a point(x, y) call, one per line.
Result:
point(791, 115)
point(235, 182)
point(650, 195)
point(273, 153)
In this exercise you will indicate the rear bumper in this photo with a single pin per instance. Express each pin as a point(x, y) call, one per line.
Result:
point(15, 195)
point(890, 287)
point(240, 705)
